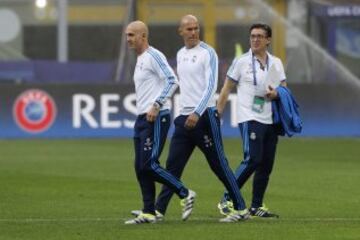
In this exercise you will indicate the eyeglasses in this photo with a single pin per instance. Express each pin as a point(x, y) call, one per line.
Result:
point(257, 36)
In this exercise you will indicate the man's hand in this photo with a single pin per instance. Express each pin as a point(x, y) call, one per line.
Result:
point(271, 93)
point(152, 114)
point(224, 95)
point(191, 121)
point(220, 113)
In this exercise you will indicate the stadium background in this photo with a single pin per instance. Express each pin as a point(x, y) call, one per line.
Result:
point(67, 109)
point(67, 48)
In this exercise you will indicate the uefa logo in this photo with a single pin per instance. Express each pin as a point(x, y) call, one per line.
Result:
point(34, 111)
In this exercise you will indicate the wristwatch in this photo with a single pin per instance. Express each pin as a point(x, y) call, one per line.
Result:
point(156, 105)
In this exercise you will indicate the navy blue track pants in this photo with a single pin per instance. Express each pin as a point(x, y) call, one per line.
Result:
point(149, 140)
point(259, 146)
point(207, 136)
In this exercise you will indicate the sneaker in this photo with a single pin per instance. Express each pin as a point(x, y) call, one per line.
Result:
point(262, 212)
point(225, 207)
point(236, 216)
point(142, 218)
point(188, 205)
point(136, 212)
point(159, 216)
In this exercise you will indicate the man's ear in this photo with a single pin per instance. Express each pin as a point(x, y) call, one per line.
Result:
point(269, 41)
point(180, 31)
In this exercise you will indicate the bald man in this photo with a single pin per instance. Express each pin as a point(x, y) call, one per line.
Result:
point(155, 82)
point(198, 124)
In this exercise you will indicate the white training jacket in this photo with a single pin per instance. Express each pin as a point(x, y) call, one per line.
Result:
point(154, 80)
point(197, 69)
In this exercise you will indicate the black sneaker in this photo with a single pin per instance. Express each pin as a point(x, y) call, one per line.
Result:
point(262, 212)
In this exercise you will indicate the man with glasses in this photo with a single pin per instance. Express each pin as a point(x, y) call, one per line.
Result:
point(250, 73)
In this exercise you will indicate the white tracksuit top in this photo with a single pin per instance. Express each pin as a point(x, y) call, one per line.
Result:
point(154, 80)
point(197, 69)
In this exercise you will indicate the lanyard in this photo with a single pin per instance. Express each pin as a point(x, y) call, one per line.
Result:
point(254, 68)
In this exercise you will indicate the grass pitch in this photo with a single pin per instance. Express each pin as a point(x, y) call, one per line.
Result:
point(85, 189)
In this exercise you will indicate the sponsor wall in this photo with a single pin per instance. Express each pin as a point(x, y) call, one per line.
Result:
point(72, 111)
point(84, 111)
point(66, 111)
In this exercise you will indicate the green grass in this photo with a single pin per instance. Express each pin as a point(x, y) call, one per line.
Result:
point(85, 189)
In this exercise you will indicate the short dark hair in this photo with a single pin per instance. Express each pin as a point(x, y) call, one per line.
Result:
point(263, 26)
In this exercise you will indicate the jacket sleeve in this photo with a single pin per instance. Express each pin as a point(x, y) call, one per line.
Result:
point(211, 75)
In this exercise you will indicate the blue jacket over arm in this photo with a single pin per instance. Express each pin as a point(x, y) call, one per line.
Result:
point(286, 113)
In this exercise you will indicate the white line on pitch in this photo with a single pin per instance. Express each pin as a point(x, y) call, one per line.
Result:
point(113, 219)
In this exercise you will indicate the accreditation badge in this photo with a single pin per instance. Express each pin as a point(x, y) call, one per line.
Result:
point(258, 104)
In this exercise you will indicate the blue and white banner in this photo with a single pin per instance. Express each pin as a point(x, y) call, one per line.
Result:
point(73, 111)
point(108, 111)
point(336, 10)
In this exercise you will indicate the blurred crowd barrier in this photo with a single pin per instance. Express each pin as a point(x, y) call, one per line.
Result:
point(317, 40)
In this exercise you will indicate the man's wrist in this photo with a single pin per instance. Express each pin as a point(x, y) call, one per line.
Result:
point(157, 106)
point(197, 114)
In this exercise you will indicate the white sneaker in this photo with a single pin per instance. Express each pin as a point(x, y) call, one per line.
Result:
point(188, 205)
point(142, 218)
point(236, 215)
point(226, 207)
point(159, 216)
point(136, 212)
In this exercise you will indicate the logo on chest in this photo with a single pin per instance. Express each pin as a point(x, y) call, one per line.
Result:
point(190, 59)
point(249, 69)
point(140, 66)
